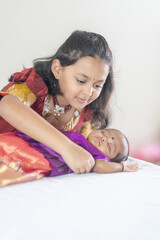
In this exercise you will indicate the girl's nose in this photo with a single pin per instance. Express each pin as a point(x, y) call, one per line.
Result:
point(88, 91)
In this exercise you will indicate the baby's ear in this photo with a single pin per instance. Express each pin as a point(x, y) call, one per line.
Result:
point(56, 68)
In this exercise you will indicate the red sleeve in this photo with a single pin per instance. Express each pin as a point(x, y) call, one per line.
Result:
point(2, 95)
point(32, 79)
point(5, 126)
point(37, 86)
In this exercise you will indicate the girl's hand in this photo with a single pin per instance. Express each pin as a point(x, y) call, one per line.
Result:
point(130, 168)
point(78, 159)
point(27, 121)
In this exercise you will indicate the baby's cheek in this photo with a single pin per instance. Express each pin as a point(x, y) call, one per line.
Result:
point(104, 150)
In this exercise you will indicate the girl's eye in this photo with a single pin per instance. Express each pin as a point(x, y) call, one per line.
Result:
point(80, 81)
point(97, 86)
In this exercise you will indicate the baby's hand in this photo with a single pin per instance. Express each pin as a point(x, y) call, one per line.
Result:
point(130, 168)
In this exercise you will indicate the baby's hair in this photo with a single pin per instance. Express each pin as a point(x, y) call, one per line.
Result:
point(78, 45)
point(122, 157)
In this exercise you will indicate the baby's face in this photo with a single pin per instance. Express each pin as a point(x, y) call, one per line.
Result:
point(109, 141)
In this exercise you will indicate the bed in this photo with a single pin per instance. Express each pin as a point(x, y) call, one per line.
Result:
point(83, 207)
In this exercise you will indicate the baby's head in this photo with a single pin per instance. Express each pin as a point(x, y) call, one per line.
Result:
point(111, 142)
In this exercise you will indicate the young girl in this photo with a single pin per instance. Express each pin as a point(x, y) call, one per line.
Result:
point(33, 160)
point(69, 90)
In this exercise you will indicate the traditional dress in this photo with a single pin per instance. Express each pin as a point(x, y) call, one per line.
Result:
point(30, 89)
point(19, 160)
point(23, 159)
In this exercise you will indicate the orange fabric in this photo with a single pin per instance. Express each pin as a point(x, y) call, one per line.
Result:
point(19, 162)
point(15, 149)
point(11, 174)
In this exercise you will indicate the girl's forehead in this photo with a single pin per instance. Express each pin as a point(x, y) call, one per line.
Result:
point(89, 65)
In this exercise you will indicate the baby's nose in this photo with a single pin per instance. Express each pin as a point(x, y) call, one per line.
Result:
point(104, 139)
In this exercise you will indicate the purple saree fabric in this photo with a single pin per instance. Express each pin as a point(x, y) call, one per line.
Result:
point(59, 167)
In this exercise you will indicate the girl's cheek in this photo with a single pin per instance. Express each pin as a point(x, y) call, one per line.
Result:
point(94, 95)
point(91, 100)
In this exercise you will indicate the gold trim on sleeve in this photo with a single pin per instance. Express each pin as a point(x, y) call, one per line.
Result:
point(23, 93)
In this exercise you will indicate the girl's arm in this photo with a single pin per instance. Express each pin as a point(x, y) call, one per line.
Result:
point(29, 122)
point(101, 166)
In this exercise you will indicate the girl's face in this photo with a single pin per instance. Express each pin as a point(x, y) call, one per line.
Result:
point(109, 141)
point(81, 83)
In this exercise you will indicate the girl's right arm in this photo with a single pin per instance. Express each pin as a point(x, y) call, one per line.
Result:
point(101, 166)
point(29, 122)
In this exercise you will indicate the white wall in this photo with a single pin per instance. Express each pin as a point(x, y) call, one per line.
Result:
point(35, 28)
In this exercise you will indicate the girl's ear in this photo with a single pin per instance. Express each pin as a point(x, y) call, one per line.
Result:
point(56, 68)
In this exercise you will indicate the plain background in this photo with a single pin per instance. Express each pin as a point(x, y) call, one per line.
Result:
point(36, 28)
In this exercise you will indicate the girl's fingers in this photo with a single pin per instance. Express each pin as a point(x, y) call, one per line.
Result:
point(88, 169)
point(82, 170)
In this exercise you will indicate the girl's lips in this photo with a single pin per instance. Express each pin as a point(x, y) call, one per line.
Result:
point(82, 100)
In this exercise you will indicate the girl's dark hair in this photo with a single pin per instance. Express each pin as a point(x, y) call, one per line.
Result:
point(78, 45)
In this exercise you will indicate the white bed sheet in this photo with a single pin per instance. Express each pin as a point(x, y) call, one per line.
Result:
point(84, 207)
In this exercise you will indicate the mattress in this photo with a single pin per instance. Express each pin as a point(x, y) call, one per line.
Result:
point(92, 206)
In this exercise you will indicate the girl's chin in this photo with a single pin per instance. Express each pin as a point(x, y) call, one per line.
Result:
point(79, 105)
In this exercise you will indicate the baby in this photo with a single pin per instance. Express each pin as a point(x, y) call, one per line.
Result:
point(109, 148)
point(30, 160)
point(115, 146)
point(111, 142)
